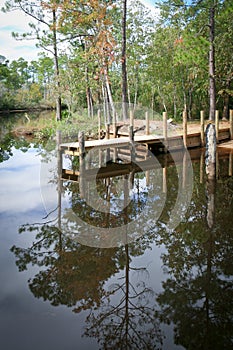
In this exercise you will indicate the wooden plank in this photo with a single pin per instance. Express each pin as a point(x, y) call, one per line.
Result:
point(193, 140)
point(72, 153)
point(114, 142)
point(227, 145)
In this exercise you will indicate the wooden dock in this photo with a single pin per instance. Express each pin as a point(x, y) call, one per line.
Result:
point(124, 155)
point(154, 143)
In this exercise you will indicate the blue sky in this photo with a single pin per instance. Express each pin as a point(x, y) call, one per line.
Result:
point(17, 21)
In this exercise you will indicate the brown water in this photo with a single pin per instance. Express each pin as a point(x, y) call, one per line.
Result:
point(107, 268)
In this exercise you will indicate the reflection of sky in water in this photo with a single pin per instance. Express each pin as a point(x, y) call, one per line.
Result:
point(19, 178)
point(25, 321)
point(28, 192)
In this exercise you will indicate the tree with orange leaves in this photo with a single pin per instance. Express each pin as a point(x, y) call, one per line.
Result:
point(88, 23)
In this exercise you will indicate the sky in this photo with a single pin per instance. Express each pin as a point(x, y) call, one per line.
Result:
point(16, 21)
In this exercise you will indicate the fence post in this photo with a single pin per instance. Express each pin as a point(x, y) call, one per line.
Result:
point(202, 128)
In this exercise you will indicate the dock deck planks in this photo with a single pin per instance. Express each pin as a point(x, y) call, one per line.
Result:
point(174, 141)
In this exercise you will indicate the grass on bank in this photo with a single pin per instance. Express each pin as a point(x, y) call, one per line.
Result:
point(45, 126)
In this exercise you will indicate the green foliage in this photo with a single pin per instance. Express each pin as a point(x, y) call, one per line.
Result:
point(167, 60)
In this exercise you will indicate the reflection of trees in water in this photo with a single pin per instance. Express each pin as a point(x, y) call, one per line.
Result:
point(68, 272)
point(123, 316)
point(198, 295)
point(131, 322)
point(8, 143)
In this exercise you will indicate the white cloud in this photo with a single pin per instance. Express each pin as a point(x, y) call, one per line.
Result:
point(150, 4)
point(18, 22)
point(9, 47)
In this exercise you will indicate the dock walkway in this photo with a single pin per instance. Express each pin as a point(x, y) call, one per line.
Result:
point(157, 143)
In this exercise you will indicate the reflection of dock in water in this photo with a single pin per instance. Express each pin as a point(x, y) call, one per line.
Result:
point(114, 169)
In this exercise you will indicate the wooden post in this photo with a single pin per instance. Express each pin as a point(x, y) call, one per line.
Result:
point(202, 128)
point(165, 179)
point(201, 167)
point(210, 151)
point(185, 128)
point(114, 125)
point(147, 177)
point(59, 168)
point(131, 126)
point(165, 130)
point(211, 173)
point(81, 141)
point(147, 123)
point(217, 169)
point(217, 124)
point(99, 124)
point(231, 124)
point(108, 155)
point(230, 164)
point(107, 131)
point(184, 174)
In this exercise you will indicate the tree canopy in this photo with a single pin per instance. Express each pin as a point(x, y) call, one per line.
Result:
point(103, 52)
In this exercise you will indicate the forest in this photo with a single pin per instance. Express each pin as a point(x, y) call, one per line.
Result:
point(180, 57)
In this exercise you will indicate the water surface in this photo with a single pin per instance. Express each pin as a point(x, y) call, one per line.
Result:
point(169, 288)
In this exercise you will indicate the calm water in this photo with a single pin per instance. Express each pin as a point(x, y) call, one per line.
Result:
point(142, 260)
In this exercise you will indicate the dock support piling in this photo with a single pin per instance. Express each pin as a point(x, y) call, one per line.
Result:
point(201, 167)
point(165, 130)
point(217, 124)
point(230, 164)
point(147, 123)
point(131, 127)
point(107, 131)
point(59, 168)
point(185, 128)
point(114, 125)
point(202, 128)
point(81, 140)
point(231, 124)
point(99, 124)
point(211, 151)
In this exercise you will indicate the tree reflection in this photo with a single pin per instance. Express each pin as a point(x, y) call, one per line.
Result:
point(122, 316)
point(197, 296)
point(68, 272)
point(131, 322)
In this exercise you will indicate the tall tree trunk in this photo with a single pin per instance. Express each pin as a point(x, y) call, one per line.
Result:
point(225, 111)
point(89, 95)
point(108, 89)
point(136, 87)
point(124, 67)
point(212, 87)
point(226, 100)
point(88, 89)
point(58, 98)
